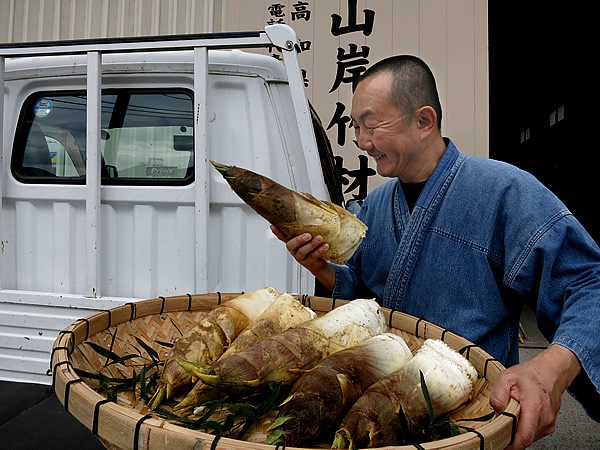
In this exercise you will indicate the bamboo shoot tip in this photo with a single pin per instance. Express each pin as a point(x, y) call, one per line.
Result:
point(220, 167)
point(252, 383)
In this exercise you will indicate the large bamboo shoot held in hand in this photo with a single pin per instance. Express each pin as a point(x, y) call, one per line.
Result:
point(294, 213)
point(283, 357)
point(207, 341)
point(321, 396)
point(394, 410)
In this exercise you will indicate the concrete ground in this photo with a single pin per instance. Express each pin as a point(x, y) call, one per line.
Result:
point(574, 429)
point(31, 416)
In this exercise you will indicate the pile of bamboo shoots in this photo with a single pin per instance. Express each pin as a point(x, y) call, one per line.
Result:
point(350, 381)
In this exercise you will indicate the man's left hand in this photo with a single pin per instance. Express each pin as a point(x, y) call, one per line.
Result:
point(538, 384)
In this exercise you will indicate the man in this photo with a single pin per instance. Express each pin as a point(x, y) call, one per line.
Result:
point(464, 242)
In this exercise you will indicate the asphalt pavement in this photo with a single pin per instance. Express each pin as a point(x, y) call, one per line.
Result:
point(31, 417)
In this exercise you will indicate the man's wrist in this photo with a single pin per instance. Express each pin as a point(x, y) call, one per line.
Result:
point(565, 361)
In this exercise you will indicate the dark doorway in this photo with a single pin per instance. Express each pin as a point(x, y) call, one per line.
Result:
point(538, 99)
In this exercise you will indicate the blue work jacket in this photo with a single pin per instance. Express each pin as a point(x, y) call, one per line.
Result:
point(484, 238)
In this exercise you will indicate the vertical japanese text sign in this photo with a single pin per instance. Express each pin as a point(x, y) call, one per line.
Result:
point(331, 69)
point(351, 63)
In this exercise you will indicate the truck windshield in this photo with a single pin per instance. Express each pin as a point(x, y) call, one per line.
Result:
point(146, 138)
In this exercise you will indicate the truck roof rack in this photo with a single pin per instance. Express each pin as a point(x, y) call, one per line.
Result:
point(17, 46)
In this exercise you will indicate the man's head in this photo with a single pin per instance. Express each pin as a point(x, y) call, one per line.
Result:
point(396, 116)
point(413, 84)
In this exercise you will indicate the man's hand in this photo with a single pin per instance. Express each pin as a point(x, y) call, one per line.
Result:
point(538, 384)
point(308, 250)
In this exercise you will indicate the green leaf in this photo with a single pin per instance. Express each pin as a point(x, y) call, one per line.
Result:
point(406, 426)
point(276, 437)
point(272, 399)
point(166, 414)
point(103, 351)
point(427, 398)
point(245, 411)
point(214, 427)
point(133, 380)
point(198, 424)
point(112, 342)
point(99, 376)
point(143, 382)
point(153, 354)
point(121, 359)
point(175, 325)
point(286, 400)
point(454, 429)
point(278, 422)
point(152, 382)
point(84, 374)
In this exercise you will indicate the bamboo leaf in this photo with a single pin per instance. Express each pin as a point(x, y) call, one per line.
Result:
point(286, 400)
point(121, 359)
point(278, 422)
point(84, 374)
point(165, 344)
point(166, 414)
point(427, 398)
point(405, 425)
point(133, 380)
point(103, 351)
point(198, 424)
point(175, 325)
point(272, 399)
point(143, 382)
point(99, 376)
point(153, 354)
point(112, 342)
point(276, 437)
point(269, 404)
point(214, 427)
point(245, 411)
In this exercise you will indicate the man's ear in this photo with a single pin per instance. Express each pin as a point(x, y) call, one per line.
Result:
point(426, 119)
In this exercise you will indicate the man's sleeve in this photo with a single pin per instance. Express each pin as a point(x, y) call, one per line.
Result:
point(563, 265)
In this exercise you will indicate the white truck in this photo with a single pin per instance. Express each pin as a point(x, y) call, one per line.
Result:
point(106, 191)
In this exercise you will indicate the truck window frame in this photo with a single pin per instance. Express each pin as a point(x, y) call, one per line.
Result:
point(27, 122)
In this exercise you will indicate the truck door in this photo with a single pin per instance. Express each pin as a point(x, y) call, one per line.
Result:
point(147, 163)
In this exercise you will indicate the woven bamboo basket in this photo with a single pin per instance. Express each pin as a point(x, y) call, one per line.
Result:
point(129, 424)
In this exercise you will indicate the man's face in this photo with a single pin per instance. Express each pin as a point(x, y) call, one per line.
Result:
point(382, 130)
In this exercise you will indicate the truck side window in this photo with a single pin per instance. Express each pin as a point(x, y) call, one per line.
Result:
point(146, 138)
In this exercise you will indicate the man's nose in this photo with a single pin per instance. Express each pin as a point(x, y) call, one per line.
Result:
point(364, 140)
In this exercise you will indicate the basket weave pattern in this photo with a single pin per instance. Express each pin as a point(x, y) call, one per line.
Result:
point(130, 424)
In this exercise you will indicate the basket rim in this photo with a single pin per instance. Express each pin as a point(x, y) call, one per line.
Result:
point(66, 383)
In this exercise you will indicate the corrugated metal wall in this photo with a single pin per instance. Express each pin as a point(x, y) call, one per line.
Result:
point(451, 35)
point(45, 20)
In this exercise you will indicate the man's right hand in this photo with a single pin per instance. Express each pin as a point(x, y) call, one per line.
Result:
point(308, 250)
